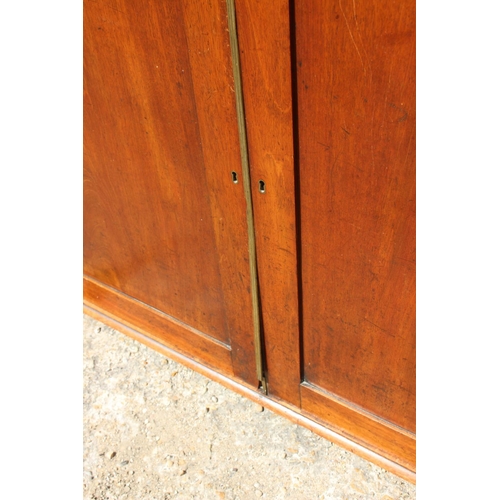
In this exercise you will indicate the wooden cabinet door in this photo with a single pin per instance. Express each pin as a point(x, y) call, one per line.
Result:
point(330, 103)
point(356, 140)
point(165, 226)
point(329, 98)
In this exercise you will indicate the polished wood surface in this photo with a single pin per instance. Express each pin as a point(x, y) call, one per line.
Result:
point(329, 98)
point(159, 326)
point(355, 65)
point(164, 222)
point(264, 39)
point(367, 429)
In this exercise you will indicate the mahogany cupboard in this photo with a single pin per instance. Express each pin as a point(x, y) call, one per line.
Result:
point(249, 201)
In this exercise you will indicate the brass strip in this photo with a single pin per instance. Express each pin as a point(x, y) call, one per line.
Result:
point(240, 112)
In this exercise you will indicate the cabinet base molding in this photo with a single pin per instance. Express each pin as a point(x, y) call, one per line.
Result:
point(156, 324)
point(361, 446)
point(353, 422)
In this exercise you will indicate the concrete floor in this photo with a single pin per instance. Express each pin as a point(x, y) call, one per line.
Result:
point(156, 430)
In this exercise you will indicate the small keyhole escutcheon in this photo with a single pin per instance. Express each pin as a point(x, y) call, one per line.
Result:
point(262, 186)
point(235, 177)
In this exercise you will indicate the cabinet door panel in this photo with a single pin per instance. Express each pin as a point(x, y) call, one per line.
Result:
point(356, 128)
point(164, 222)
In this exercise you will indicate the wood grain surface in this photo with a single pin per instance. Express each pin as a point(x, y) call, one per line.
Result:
point(157, 325)
point(164, 222)
point(264, 38)
point(362, 427)
point(329, 98)
point(355, 66)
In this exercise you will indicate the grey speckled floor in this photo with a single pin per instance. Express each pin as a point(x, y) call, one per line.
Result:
point(154, 429)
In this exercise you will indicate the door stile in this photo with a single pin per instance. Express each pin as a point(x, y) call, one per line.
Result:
point(240, 112)
point(264, 46)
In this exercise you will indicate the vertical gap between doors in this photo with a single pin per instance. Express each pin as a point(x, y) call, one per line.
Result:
point(296, 160)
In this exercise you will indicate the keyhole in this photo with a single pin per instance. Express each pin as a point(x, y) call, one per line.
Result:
point(262, 186)
point(235, 177)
